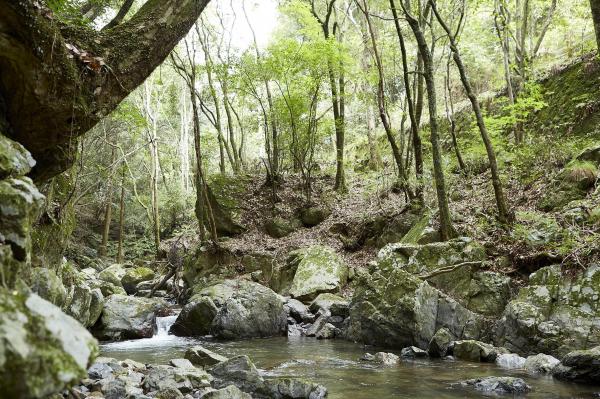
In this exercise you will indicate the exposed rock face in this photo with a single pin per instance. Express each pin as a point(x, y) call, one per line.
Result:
point(42, 350)
point(233, 309)
point(113, 274)
point(318, 269)
point(229, 392)
point(393, 307)
point(440, 343)
point(278, 227)
point(126, 317)
point(299, 311)
point(580, 366)
point(334, 304)
point(555, 314)
point(134, 276)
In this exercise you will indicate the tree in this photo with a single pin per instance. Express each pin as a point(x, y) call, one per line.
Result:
point(96, 71)
point(595, 5)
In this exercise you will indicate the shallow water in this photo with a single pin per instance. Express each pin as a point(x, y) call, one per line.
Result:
point(336, 364)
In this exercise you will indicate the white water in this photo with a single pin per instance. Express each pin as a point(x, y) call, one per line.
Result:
point(161, 340)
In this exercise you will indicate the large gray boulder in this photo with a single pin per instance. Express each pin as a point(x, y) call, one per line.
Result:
point(42, 350)
point(319, 269)
point(554, 314)
point(135, 275)
point(541, 363)
point(200, 356)
point(580, 366)
point(127, 317)
point(233, 309)
point(393, 307)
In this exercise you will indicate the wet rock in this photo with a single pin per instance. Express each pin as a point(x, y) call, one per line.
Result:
point(555, 314)
point(284, 388)
point(295, 330)
point(319, 269)
point(580, 366)
point(476, 351)
point(135, 275)
point(229, 392)
point(181, 363)
point(41, 348)
point(126, 317)
point(328, 331)
point(440, 343)
point(184, 379)
point(239, 371)
point(317, 325)
point(386, 358)
point(233, 309)
point(499, 385)
point(325, 303)
point(299, 311)
point(510, 361)
point(541, 363)
point(169, 393)
point(314, 215)
point(412, 352)
point(99, 371)
point(200, 356)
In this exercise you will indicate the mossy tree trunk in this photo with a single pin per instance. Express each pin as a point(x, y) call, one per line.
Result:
point(595, 5)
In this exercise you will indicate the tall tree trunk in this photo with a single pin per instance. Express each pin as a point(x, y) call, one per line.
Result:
point(120, 248)
point(449, 102)
point(184, 154)
point(154, 163)
point(595, 6)
point(107, 208)
point(446, 229)
point(504, 213)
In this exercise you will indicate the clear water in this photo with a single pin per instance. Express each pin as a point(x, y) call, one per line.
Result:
point(336, 364)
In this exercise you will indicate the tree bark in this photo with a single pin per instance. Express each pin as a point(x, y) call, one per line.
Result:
point(107, 209)
point(120, 15)
point(54, 92)
point(120, 250)
point(595, 6)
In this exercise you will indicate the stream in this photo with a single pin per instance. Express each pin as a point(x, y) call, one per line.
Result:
point(336, 365)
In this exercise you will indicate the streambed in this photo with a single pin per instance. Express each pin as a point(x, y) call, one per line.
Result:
point(336, 364)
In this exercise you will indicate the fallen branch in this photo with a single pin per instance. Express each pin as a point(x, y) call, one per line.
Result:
point(448, 269)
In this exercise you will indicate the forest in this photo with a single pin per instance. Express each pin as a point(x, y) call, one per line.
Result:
point(289, 199)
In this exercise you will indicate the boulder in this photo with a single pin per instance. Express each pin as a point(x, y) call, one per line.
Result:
point(541, 363)
point(314, 328)
point(412, 352)
point(476, 351)
point(328, 331)
point(394, 308)
point(299, 311)
point(238, 371)
point(510, 361)
point(169, 393)
point(440, 343)
point(200, 356)
point(134, 276)
point(334, 304)
point(292, 388)
point(113, 274)
point(233, 309)
point(318, 269)
point(184, 379)
point(42, 350)
point(580, 366)
point(314, 215)
point(499, 385)
point(384, 358)
point(127, 317)
point(554, 314)
point(48, 285)
point(278, 227)
point(229, 392)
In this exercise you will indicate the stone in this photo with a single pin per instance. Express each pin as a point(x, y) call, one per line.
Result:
point(440, 343)
point(580, 366)
point(314, 215)
point(200, 356)
point(319, 269)
point(42, 350)
point(499, 385)
point(279, 227)
point(181, 363)
point(284, 388)
point(476, 351)
point(169, 393)
point(299, 311)
point(555, 314)
point(113, 274)
point(135, 275)
point(126, 317)
point(233, 309)
point(386, 358)
point(325, 303)
point(412, 352)
point(314, 328)
point(328, 331)
point(510, 361)
point(184, 379)
point(239, 371)
point(229, 392)
point(541, 363)
point(48, 285)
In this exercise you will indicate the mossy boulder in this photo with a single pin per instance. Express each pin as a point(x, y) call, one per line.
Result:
point(314, 215)
point(279, 227)
point(233, 309)
point(555, 314)
point(571, 184)
point(476, 351)
point(127, 317)
point(46, 283)
point(15, 160)
point(319, 269)
point(135, 275)
point(113, 274)
point(42, 350)
point(580, 366)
